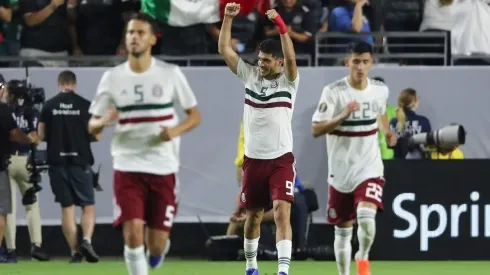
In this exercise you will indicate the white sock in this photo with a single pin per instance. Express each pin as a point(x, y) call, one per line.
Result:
point(88, 239)
point(136, 261)
point(366, 230)
point(284, 248)
point(343, 249)
point(250, 248)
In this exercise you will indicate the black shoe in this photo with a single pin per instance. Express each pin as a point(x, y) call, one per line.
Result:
point(76, 258)
point(38, 254)
point(88, 252)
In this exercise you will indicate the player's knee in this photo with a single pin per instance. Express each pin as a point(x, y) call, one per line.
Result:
point(254, 218)
point(282, 213)
point(133, 233)
point(343, 233)
point(366, 217)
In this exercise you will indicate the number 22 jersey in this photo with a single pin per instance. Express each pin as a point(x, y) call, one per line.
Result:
point(353, 149)
point(146, 102)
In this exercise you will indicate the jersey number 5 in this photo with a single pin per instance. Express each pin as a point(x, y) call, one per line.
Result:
point(374, 191)
point(169, 216)
point(138, 91)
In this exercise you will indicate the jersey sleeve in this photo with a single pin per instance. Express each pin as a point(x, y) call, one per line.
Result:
point(183, 91)
point(244, 70)
point(326, 107)
point(103, 97)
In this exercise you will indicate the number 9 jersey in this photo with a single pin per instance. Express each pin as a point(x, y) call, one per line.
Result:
point(353, 150)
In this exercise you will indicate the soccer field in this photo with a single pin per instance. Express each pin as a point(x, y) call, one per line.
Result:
point(177, 267)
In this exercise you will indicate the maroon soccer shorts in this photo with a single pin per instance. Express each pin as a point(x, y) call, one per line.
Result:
point(148, 197)
point(342, 207)
point(267, 180)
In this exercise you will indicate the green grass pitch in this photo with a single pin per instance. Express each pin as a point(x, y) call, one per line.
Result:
point(184, 267)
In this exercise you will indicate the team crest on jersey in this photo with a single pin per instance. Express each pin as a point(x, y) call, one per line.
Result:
point(322, 107)
point(157, 90)
point(274, 84)
point(243, 197)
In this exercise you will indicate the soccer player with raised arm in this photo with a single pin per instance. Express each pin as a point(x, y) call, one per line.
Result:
point(350, 112)
point(268, 167)
point(145, 143)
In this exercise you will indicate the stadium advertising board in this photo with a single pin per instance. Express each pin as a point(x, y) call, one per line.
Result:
point(435, 210)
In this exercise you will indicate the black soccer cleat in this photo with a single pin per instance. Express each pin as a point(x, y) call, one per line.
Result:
point(76, 258)
point(38, 254)
point(88, 252)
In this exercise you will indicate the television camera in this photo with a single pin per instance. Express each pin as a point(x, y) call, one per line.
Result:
point(26, 99)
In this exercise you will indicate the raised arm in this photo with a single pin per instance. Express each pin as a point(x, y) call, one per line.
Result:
point(290, 68)
point(224, 43)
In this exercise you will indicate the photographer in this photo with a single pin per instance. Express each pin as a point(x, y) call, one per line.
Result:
point(407, 123)
point(27, 119)
point(8, 132)
point(63, 125)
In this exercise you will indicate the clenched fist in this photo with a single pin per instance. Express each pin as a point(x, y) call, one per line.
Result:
point(232, 9)
point(271, 14)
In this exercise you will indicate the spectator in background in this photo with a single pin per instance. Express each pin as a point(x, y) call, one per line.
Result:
point(349, 18)
point(302, 23)
point(408, 123)
point(440, 16)
point(242, 32)
point(100, 24)
point(48, 30)
point(11, 32)
point(471, 36)
point(399, 16)
point(5, 18)
point(386, 152)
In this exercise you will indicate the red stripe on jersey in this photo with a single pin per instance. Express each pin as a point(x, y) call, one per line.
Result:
point(354, 134)
point(268, 105)
point(145, 119)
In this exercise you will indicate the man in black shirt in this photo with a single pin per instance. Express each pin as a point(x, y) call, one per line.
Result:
point(64, 127)
point(8, 132)
point(48, 30)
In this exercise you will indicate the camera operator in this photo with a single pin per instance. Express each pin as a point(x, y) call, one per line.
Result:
point(64, 127)
point(27, 119)
point(8, 132)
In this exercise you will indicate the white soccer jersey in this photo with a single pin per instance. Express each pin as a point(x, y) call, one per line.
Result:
point(267, 113)
point(146, 102)
point(353, 149)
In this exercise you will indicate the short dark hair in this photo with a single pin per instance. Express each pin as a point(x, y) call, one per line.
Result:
point(67, 78)
point(379, 78)
point(360, 47)
point(141, 16)
point(271, 46)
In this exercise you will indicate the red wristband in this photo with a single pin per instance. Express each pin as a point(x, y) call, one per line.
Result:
point(280, 25)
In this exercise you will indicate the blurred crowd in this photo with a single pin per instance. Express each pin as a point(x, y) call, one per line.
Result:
point(36, 28)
